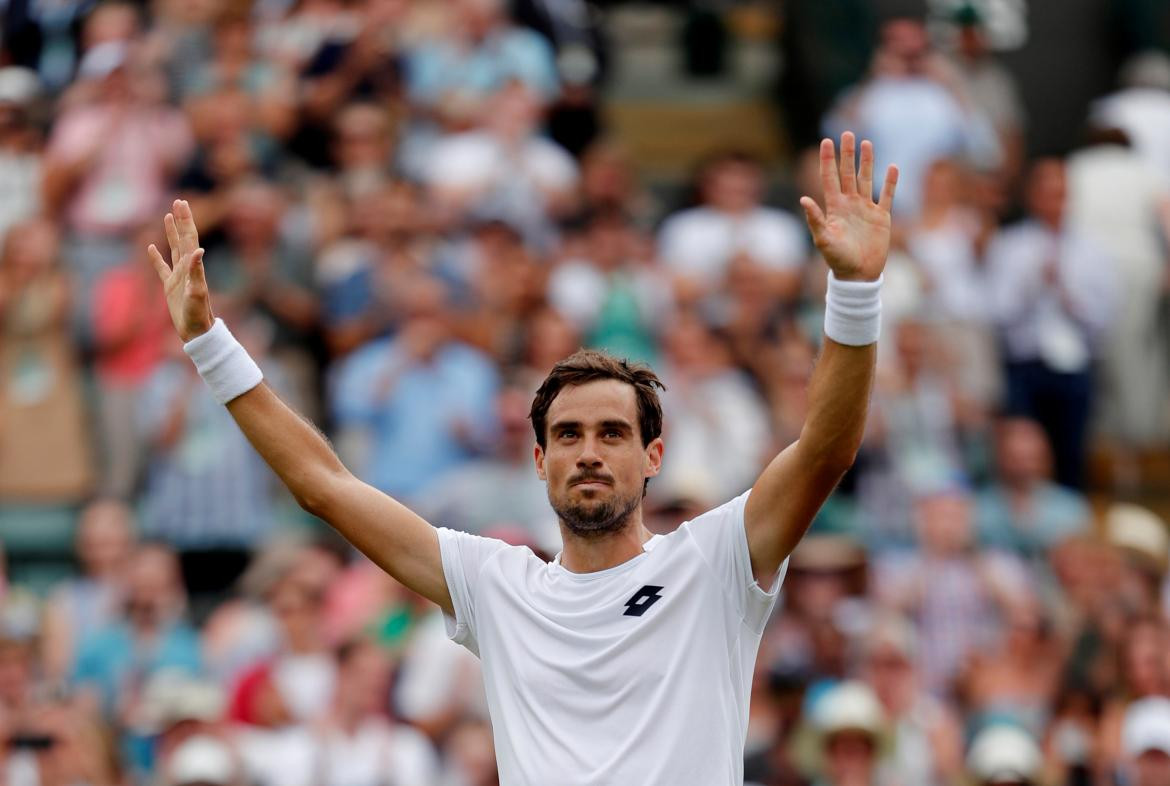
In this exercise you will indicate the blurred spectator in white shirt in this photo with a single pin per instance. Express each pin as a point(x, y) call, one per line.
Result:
point(1141, 108)
point(915, 110)
point(945, 243)
point(713, 410)
point(1119, 199)
point(990, 85)
point(1053, 291)
point(615, 300)
point(503, 168)
point(20, 147)
point(354, 743)
point(698, 245)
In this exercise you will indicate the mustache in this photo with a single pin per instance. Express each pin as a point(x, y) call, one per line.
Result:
point(590, 477)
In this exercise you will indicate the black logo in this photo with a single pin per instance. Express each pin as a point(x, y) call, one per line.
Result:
point(641, 600)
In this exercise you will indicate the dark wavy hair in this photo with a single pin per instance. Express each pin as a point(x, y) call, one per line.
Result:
point(590, 365)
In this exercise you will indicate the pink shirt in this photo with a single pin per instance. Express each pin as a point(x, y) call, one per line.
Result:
point(131, 324)
point(141, 147)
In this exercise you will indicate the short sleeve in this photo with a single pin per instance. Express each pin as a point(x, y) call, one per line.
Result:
point(463, 558)
point(722, 539)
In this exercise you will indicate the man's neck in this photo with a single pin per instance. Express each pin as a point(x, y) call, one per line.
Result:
point(589, 555)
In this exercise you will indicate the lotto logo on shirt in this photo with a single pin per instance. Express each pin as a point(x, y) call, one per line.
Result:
point(641, 600)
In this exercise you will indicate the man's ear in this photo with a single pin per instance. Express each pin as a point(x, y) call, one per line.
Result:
point(654, 457)
point(538, 457)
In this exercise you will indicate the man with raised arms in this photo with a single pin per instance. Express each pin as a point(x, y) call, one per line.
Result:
point(627, 659)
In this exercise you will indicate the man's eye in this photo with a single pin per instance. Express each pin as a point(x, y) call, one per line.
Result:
point(568, 434)
point(614, 434)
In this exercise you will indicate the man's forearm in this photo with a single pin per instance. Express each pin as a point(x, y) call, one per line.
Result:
point(293, 447)
point(838, 405)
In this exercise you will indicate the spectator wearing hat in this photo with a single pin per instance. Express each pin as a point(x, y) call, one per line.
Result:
point(927, 739)
point(1004, 755)
point(1145, 742)
point(202, 761)
point(852, 735)
point(1142, 540)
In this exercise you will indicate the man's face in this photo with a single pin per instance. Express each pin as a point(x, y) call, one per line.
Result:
point(595, 464)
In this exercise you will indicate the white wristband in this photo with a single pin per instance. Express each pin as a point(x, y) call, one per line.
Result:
point(853, 311)
point(224, 365)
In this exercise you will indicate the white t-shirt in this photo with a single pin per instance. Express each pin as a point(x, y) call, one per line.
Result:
point(376, 754)
point(638, 674)
point(701, 242)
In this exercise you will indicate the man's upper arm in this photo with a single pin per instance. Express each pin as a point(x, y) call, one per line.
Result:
point(394, 537)
point(782, 504)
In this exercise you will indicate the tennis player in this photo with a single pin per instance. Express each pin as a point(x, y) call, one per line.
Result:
point(628, 659)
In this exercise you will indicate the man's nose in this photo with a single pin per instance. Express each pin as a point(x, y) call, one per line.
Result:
point(589, 455)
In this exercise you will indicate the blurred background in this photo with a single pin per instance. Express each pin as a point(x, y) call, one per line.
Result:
point(413, 208)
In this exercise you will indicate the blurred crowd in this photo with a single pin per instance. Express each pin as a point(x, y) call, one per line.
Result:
point(411, 210)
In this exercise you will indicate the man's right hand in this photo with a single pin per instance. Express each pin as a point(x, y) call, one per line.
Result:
point(183, 280)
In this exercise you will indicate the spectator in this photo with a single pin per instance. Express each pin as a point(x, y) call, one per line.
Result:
point(479, 53)
point(1023, 510)
point(615, 300)
point(698, 245)
point(1133, 226)
point(129, 341)
point(927, 739)
point(946, 242)
point(20, 147)
point(501, 489)
point(1005, 754)
point(111, 159)
point(954, 595)
point(990, 86)
point(713, 407)
point(1141, 108)
point(421, 401)
point(260, 269)
point(202, 761)
point(915, 110)
point(206, 493)
point(45, 453)
point(503, 169)
point(851, 726)
point(115, 662)
point(1053, 289)
point(81, 606)
point(1146, 742)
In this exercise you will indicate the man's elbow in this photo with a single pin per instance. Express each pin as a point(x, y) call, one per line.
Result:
point(319, 493)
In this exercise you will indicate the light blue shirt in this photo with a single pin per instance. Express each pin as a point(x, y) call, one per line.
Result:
point(443, 67)
point(421, 419)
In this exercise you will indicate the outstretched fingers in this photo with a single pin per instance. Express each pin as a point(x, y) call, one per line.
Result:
point(814, 216)
point(830, 182)
point(865, 173)
point(185, 225)
point(160, 265)
point(886, 202)
point(172, 237)
point(847, 164)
